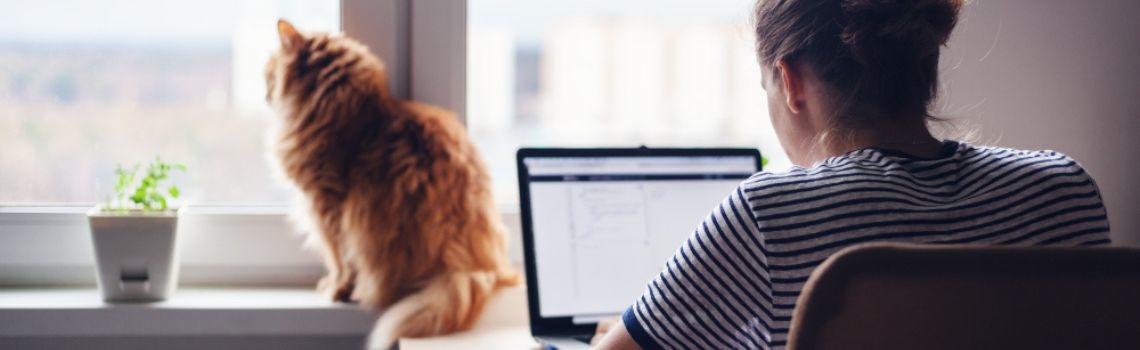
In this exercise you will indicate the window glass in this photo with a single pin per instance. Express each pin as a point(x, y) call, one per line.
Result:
point(661, 73)
point(88, 84)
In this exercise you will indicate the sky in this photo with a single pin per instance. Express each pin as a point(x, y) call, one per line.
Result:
point(214, 21)
point(146, 21)
point(528, 18)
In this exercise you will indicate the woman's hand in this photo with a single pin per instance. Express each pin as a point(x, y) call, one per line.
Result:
point(604, 327)
point(611, 335)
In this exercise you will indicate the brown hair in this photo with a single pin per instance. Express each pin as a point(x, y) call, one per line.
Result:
point(878, 58)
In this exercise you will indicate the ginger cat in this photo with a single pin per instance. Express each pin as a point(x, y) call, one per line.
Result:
point(396, 196)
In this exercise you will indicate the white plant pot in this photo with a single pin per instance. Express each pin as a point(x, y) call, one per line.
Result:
point(136, 254)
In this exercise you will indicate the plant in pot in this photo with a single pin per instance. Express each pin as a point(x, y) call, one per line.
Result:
point(133, 234)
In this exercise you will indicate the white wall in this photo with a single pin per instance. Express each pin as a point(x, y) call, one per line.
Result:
point(1055, 74)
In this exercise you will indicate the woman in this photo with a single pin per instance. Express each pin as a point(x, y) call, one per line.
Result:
point(849, 85)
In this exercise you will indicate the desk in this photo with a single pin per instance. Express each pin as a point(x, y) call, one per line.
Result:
point(504, 326)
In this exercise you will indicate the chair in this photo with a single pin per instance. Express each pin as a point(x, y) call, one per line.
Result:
point(898, 296)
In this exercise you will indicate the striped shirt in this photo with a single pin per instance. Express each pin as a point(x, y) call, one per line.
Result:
point(734, 282)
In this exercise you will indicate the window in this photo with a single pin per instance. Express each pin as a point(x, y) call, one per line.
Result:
point(676, 73)
point(85, 84)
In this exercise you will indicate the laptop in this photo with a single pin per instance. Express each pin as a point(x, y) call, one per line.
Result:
point(598, 224)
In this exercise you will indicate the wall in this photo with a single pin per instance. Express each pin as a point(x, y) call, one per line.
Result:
point(1055, 74)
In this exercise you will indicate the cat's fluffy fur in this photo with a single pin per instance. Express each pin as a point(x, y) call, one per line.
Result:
point(395, 193)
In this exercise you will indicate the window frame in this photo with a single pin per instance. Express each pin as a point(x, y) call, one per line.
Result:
point(423, 44)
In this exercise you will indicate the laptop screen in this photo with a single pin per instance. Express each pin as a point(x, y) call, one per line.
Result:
point(604, 226)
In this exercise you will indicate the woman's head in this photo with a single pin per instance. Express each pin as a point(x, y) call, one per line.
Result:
point(866, 63)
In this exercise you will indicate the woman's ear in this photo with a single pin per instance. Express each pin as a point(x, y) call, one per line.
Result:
point(791, 80)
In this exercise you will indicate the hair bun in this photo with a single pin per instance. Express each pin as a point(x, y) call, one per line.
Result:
point(879, 32)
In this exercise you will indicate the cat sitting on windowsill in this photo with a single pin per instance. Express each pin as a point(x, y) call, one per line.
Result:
point(394, 193)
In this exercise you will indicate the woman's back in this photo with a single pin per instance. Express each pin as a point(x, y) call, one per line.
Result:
point(844, 80)
point(734, 283)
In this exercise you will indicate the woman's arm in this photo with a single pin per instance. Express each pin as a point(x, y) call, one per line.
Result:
point(611, 335)
point(700, 299)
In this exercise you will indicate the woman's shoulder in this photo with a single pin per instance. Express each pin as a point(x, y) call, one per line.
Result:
point(1046, 161)
point(798, 183)
point(870, 171)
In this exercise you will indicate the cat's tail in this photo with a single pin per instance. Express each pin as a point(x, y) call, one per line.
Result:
point(450, 303)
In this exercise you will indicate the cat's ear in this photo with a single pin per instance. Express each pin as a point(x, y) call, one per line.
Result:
point(291, 39)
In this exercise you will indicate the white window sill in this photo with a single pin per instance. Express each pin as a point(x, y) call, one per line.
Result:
point(228, 318)
point(192, 318)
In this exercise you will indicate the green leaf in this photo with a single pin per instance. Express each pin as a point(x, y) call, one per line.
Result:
point(140, 195)
point(135, 189)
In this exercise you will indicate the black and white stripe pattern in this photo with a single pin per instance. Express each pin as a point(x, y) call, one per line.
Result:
point(734, 282)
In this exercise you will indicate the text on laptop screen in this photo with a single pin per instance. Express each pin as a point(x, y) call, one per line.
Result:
point(603, 227)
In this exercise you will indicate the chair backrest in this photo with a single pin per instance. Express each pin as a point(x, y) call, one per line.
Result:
point(897, 296)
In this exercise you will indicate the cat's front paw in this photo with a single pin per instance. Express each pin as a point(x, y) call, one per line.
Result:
point(335, 289)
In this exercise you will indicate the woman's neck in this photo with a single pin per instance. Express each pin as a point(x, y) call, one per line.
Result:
point(915, 140)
